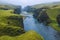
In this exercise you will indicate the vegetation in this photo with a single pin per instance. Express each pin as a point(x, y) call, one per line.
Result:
point(10, 24)
point(50, 16)
point(30, 35)
point(53, 13)
point(7, 6)
point(42, 16)
point(11, 27)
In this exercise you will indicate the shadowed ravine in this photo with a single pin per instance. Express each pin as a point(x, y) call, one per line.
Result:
point(46, 31)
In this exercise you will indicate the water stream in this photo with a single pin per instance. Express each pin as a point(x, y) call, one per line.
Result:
point(47, 32)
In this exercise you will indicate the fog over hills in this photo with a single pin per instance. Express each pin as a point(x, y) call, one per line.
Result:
point(46, 4)
point(24, 3)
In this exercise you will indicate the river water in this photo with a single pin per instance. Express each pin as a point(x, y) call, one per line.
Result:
point(47, 32)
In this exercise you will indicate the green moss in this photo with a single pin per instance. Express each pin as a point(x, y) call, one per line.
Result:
point(11, 25)
point(30, 35)
point(52, 13)
point(10, 22)
point(6, 20)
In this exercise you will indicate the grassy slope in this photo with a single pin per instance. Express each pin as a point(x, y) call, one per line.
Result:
point(4, 14)
point(7, 6)
point(52, 13)
point(31, 35)
point(46, 4)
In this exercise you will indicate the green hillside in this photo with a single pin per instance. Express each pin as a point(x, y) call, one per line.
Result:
point(7, 6)
point(11, 27)
point(30, 35)
point(5, 17)
point(53, 13)
point(10, 24)
point(46, 5)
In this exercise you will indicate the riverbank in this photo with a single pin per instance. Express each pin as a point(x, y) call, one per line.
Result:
point(48, 33)
point(10, 24)
point(48, 17)
point(55, 26)
point(12, 28)
point(30, 35)
point(53, 13)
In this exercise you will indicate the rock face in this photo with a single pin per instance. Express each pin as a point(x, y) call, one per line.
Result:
point(42, 16)
point(18, 21)
point(15, 26)
point(29, 9)
point(10, 29)
point(10, 24)
point(57, 35)
point(37, 12)
point(17, 10)
point(58, 19)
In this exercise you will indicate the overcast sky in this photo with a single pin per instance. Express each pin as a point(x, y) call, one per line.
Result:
point(27, 2)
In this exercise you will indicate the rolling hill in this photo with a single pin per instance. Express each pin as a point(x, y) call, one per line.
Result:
point(46, 5)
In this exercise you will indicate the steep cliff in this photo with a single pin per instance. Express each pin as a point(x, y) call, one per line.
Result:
point(10, 23)
point(42, 16)
point(49, 17)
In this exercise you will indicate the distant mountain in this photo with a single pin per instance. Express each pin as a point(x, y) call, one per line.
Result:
point(7, 5)
point(46, 4)
point(4, 3)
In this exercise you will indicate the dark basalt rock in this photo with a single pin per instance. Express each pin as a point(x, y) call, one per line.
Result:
point(11, 31)
point(17, 10)
point(15, 20)
point(42, 16)
point(58, 19)
point(37, 12)
point(57, 35)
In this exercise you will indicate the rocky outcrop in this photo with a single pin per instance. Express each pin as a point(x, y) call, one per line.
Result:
point(15, 26)
point(42, 16)
point(29, 9)
point(11, 31)
point(17, 10)
point(58, 19)
point(37, 12)
point(16, 20)
point(11, 24)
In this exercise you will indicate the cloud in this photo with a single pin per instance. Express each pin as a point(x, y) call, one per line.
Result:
point(27, 2)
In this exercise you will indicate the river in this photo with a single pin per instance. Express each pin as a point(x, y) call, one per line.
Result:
point(47, 32)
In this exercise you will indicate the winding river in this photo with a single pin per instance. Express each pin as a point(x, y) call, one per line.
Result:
point(47, 32)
